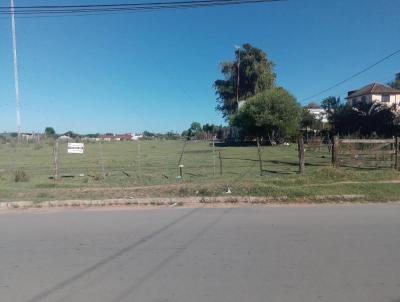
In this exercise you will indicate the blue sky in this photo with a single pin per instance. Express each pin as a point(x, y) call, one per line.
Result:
point(155, 70)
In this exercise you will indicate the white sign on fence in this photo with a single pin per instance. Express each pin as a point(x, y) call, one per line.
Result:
point(75, 147)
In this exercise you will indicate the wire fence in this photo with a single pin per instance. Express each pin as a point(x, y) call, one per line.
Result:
point(158, 162)
point(151, 162)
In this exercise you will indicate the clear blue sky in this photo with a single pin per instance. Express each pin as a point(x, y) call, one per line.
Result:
point(155, 70)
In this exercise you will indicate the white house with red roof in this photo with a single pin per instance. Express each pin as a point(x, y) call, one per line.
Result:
point(375, 92)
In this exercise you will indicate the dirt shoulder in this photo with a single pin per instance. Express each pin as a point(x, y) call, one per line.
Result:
point(191, 202)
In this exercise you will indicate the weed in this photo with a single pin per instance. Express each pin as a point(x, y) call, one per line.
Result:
point(231, 200)
point(43, 195)
point(204, 192)
point(208, 200)
point(20, 176)
point(45, 185)
point(183, 192)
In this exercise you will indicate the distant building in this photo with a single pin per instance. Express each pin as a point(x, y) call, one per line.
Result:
point(65, 137)
point(241, 103)
point(136, 137)
point(374, 92)
point(319, 114)
point(119, 137)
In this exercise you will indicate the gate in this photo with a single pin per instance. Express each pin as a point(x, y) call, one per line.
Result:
point(366, 153)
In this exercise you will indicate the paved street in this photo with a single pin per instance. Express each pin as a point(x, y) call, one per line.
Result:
point(289, 253)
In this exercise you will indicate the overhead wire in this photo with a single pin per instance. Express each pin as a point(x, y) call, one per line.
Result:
point(352, 76)
point(121, 7)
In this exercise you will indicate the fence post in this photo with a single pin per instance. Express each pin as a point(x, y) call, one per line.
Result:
point(335, 151)
point(396, 157)
point(213, 151)
point(220, 162)
point(180, 171)
point(301, 155)
point(55, 153)
point(259, 156)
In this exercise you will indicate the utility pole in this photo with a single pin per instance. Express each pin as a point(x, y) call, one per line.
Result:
point(16, 79)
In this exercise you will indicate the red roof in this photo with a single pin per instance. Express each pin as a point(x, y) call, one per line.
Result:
point(374, 88)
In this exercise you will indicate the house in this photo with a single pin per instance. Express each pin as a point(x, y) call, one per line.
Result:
point(118, 137)
point(136, 137)
point(65, 137)
point(375, 92)
point(319, 114)
point(123, 137)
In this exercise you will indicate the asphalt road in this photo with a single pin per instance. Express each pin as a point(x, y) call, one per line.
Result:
point(292, 253)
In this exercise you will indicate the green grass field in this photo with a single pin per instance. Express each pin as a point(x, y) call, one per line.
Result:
point(150, 168)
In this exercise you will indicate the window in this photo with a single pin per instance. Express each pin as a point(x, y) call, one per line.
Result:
point(386, 98)
point(363, 98)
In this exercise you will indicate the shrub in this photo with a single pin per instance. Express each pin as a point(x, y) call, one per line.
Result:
point(183, 192)
point(21, 176)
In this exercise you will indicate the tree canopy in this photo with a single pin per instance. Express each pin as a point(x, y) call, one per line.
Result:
point(364, 120)
point(49, 131)
point(309, 120)
point(312, 105)
point(71, 134)
point(396, 83)
point(330, 104)
point(273, 113)
point(255, 75)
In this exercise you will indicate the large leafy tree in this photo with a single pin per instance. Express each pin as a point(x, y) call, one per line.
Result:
point(273, 113)
point(255, 75)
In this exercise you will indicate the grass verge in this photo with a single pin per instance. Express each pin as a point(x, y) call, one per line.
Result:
point(325, 184)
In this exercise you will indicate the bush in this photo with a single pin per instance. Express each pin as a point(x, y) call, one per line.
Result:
point(21, 176)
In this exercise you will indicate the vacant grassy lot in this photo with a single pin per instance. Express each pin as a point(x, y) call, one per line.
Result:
point(150, 168)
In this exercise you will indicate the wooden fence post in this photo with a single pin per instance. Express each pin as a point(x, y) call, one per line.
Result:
point(213, 154)
point(55, 153)
point(335, 151)
point(301, 155)
point(220, 162)
point(396, 157)
point(181, 171)
point(259, 156)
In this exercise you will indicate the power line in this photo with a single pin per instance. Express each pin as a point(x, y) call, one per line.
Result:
point(112, 4)
point(122, 7)
point(119, 5)
point(344, 93)
point(352, 76)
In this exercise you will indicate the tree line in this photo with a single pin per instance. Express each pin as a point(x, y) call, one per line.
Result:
point(252, 103)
